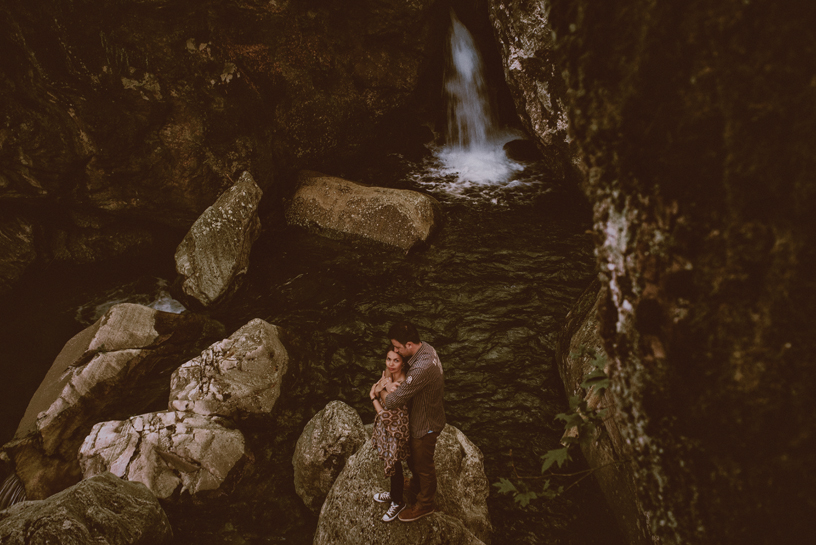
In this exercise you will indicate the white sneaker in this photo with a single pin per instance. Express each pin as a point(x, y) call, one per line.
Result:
point(393, 511)
point(382, 497)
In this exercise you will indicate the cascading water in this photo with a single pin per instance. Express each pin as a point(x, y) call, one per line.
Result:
point(11, 491)
point(473, 151)
point(471, 122)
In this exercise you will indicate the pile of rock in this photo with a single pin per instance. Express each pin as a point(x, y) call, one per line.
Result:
point(350, 516)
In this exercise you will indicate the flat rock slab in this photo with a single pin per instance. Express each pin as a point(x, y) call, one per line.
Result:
point(327, 441)
point(172, 453)
point(104, 509)
point(338, 208)
point(215, 252)
point(236, 377)
point(118, 366)
point(351, 516)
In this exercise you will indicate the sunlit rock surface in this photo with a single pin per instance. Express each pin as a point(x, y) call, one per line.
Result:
point(327, 441)
point(103, 509)
point(214, 255)
point(579, 344)
point(174, 454)
point(338, 208)
point(17, 250)
point(235, 377)
point(113, 369)
point(351, 516)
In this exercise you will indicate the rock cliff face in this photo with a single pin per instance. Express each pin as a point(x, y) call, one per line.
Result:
point(693, 125)
point(118, 116)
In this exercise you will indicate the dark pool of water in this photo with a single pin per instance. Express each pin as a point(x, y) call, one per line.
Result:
point(489, 294)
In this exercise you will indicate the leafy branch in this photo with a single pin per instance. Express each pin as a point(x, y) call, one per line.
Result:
point(580, 424)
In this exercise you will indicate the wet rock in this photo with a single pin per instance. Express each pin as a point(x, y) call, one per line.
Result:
point(351, 516)
point(174, 454)
point(17, 250)
point(337, 208)
point(88, 237)
point(536, 84)
point(605, 450)
point(214, 255)
point(145, 118)
point(117, 367)
point(524, 151)
point(237, 377)
point(703, 196)
point(103, 509)
point(321, 453)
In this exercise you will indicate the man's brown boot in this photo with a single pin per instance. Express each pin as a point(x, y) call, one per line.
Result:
point(415, 512)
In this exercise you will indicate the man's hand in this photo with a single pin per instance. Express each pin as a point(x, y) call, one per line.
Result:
point(391, 386)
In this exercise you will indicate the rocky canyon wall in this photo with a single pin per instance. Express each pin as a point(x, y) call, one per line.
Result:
point(694, 125)
point(120, 118)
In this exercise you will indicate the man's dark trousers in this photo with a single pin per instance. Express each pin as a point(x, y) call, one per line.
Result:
point(421, 464)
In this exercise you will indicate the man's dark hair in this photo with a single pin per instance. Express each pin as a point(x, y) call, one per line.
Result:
point(403, 333)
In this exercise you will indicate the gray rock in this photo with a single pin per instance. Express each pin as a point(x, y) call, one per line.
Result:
point(579, 343)
point(172, 453)
point(119, 365)
point(215, 253)
point(17, 251)
point(104, 509)
point(338, 208)
point(524, 36)
point(350, 515)
point(327, 441)
point(235, 377)
point(704, 236)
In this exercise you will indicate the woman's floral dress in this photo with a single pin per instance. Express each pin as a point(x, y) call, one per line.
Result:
point(390, 437)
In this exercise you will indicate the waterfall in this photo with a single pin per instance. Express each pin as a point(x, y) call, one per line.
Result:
point(473, 151)
point(471, 123)
point(11, 491)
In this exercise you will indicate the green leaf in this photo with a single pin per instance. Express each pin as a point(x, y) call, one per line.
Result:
point(524, 499)
point(570, 419)
point(555, 456)
point(505, 486)
point(595, 378)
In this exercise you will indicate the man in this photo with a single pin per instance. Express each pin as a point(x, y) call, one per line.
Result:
point(423, 387)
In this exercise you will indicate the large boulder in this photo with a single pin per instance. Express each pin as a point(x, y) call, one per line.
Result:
point(350, 515)
point(174, 454)
point(214, 255)
point(115, 368)
point(579, 346)
point(327, 442)
point(103, 509)
point(235, 377)
point(338, 208)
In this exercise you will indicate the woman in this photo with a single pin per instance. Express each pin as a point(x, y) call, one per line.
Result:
point(391, 435)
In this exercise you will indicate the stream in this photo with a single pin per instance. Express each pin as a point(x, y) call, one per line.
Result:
point(489, 293)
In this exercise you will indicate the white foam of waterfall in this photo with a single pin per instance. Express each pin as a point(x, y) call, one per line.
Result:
point(473, 151)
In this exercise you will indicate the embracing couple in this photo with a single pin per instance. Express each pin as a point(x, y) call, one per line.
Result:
point(410, 417)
